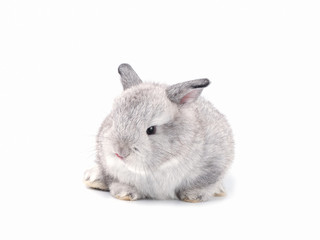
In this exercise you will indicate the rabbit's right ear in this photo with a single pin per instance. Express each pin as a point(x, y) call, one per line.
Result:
point(129, 77)
point(186, 92)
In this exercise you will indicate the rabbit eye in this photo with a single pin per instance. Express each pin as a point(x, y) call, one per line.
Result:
point(151, 130)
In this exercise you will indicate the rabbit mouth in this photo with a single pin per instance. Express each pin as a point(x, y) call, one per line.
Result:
point(119, 156)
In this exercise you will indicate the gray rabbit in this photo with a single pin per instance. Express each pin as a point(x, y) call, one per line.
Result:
point(162, 142)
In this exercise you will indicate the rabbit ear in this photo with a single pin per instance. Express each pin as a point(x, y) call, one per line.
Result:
point(186, 92)
point(129, 77)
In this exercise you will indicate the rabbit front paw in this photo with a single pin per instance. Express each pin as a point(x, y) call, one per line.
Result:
point(190, 197)
point(124, 192)
point(201, 194)
point(94, 179)
point(194, 195)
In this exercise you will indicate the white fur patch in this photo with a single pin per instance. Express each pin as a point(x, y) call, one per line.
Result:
point(169, 164)
point(164, 117)
point(160, 184)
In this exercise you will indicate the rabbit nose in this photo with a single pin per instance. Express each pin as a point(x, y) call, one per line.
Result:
point(122, 152)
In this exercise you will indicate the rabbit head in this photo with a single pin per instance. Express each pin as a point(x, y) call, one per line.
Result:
point(150, 123)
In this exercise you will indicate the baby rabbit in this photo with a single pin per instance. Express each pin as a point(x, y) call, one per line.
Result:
point(162, 142)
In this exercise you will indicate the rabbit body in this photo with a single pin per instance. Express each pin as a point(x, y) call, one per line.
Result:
point(163, 142)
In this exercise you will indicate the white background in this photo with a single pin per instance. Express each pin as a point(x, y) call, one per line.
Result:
point(58, 77)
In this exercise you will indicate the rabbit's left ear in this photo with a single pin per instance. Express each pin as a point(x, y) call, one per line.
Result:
point(129, 77)
point(186, 92)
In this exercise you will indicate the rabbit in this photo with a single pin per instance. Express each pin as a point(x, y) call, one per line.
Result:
point(162, 142)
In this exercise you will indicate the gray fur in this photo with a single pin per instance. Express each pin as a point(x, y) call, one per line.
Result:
point(128, 76)
point(176, 92)
point(187, 157)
